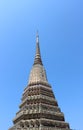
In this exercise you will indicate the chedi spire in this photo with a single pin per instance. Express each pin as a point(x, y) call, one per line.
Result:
point(39, 109)
point(37, 55)
point(37, 73)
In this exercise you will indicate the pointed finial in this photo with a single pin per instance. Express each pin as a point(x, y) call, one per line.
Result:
point(37, 37)
point(38, 55)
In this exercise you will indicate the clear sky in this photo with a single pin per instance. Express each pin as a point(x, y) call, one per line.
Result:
point(60, 26)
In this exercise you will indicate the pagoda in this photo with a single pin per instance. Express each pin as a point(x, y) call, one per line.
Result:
point(39, 108)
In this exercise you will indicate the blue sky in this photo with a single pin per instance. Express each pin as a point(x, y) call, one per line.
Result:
point(60, 26)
